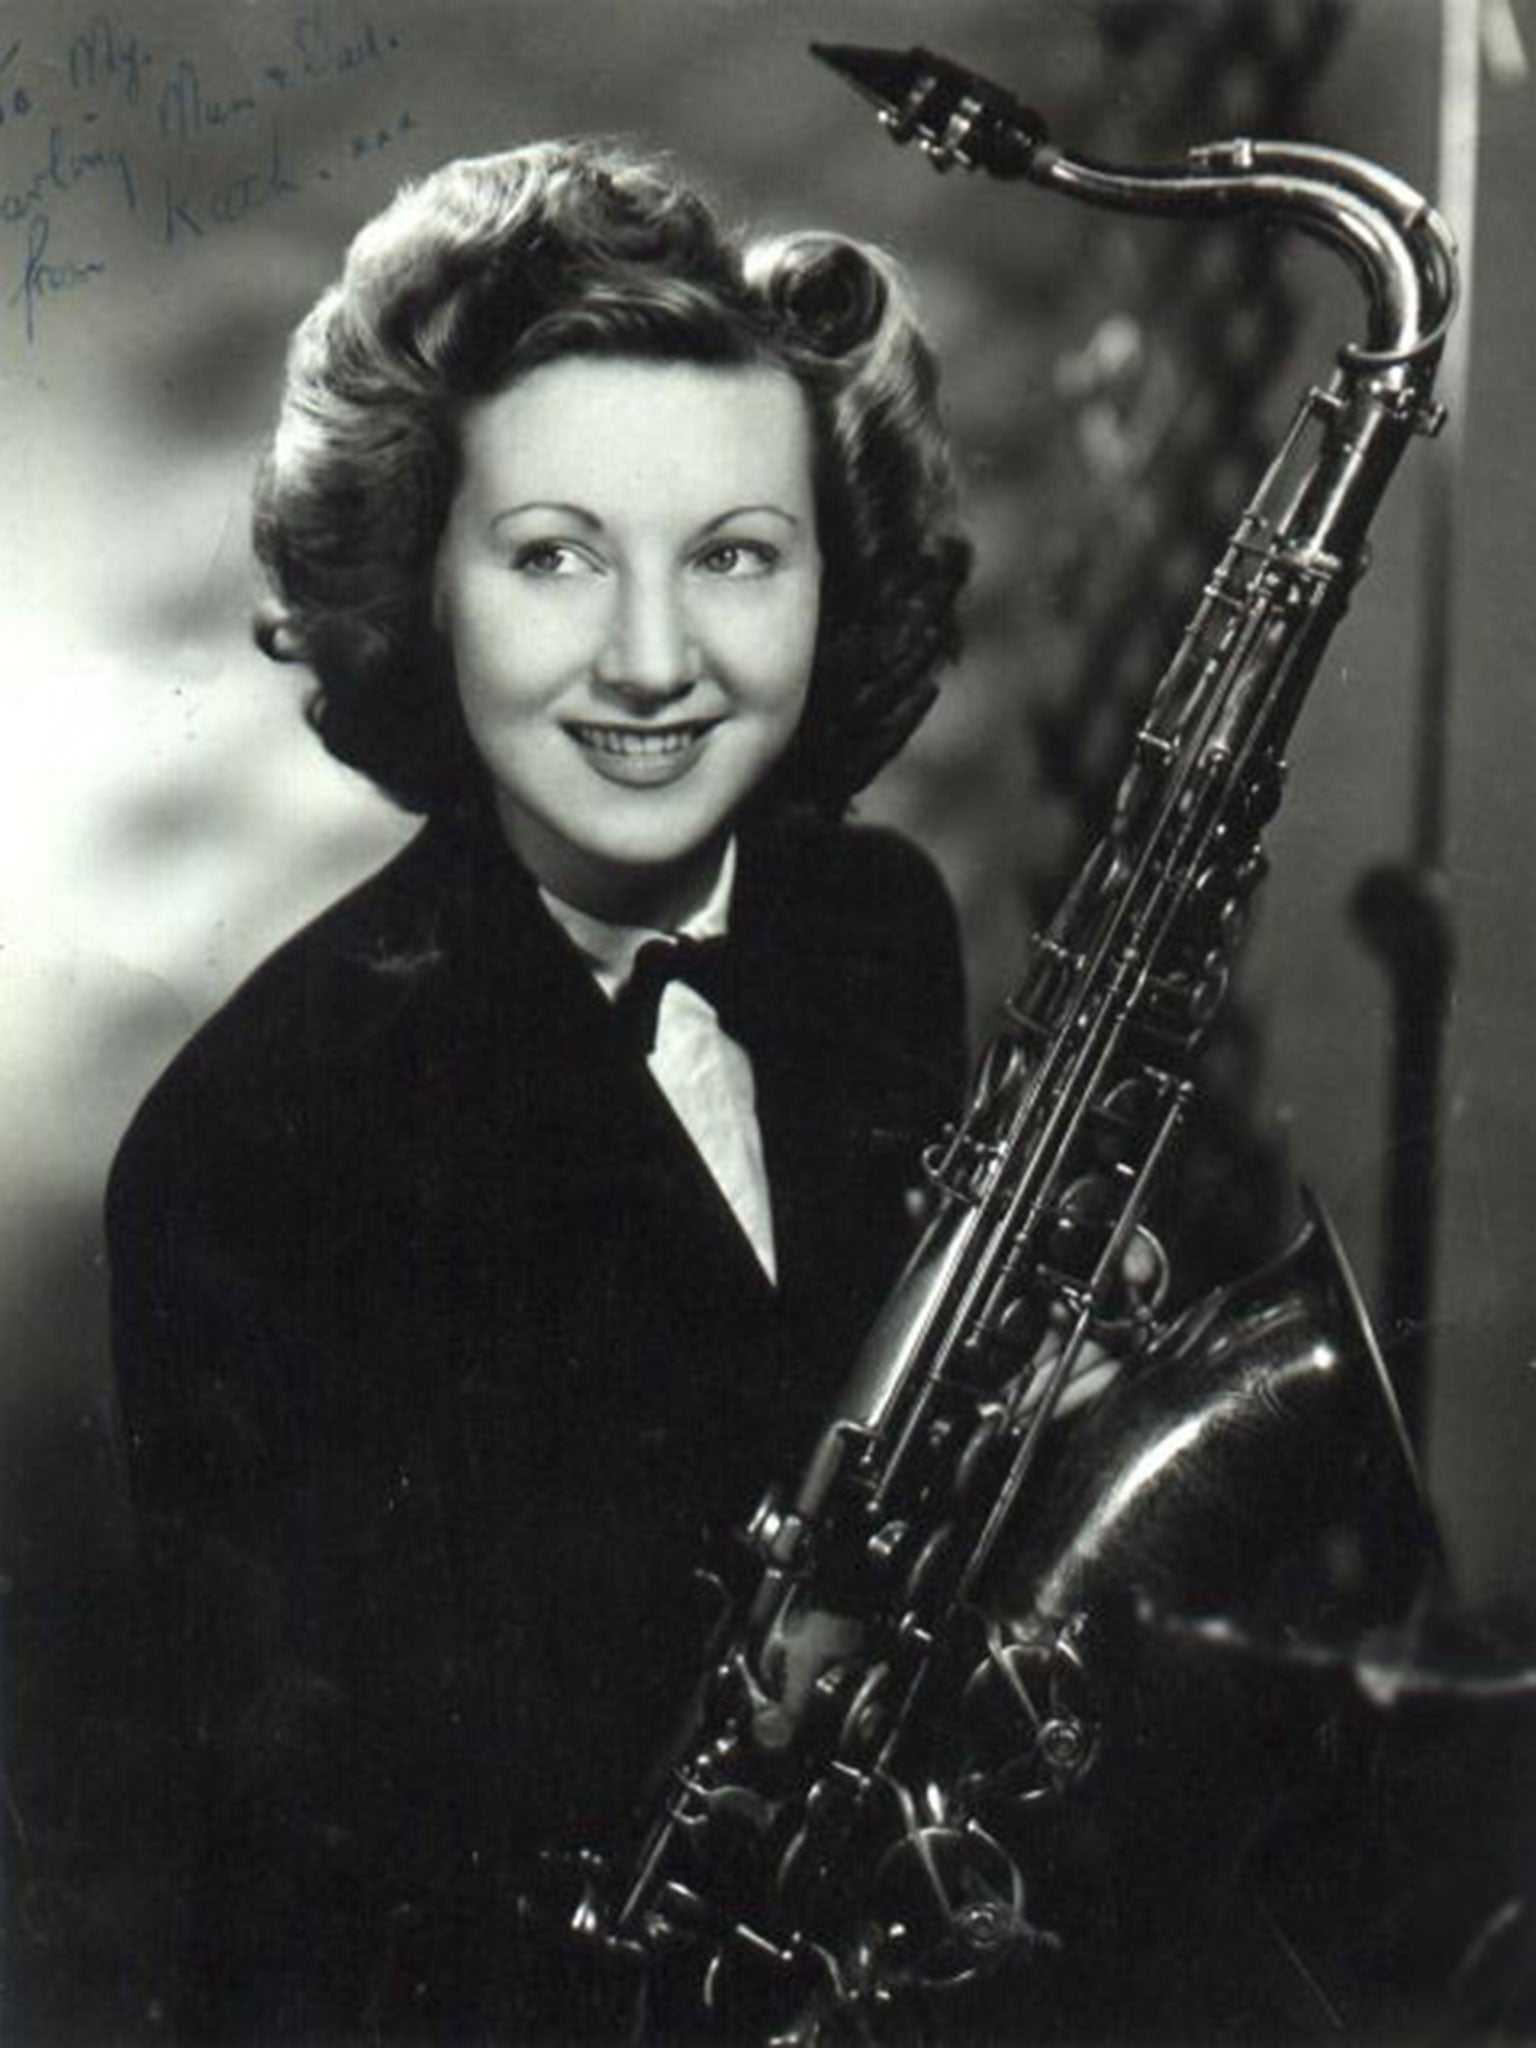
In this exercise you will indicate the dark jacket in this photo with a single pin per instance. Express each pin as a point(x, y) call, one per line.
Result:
point(444, 1366)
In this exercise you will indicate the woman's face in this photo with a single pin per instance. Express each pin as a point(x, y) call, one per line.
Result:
point(629, 580)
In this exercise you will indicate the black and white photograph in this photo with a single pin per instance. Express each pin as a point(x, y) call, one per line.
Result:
point(767, 943)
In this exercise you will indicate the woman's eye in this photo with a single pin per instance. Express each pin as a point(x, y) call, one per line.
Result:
point(550, 558)
point(739, 558)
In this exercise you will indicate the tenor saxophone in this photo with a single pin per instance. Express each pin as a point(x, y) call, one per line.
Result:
point(999, 1590)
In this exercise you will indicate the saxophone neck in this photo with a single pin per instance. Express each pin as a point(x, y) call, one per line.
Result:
point(1401, 251)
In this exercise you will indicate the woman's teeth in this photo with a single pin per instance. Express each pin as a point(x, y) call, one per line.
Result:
point(640, 756)
point(638, 741)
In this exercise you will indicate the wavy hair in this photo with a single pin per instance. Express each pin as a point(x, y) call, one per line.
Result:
point(494, 265)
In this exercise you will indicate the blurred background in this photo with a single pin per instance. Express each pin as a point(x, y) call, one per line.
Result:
point(177, 181)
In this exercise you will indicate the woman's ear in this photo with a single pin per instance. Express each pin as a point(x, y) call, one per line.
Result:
point(276, 633)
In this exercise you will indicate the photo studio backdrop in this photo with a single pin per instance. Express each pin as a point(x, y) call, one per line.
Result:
point(177, 180)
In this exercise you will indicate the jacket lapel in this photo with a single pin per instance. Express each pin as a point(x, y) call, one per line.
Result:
point(570, 1094)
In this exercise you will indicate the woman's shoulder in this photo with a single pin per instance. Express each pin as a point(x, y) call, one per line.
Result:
point(309, 1010)
point(345, 965)
point(871, 876)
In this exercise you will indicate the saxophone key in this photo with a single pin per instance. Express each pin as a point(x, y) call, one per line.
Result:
point(953, 1900)
point(1178, 1009)
point(868, 1718)
point(927, 1572)
point(1120, 1121)
point(1018, 1325)
point(886, 1544)
point(776, 1533)
point(959, 1166)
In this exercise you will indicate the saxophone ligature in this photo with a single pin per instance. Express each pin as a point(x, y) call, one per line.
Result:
point(990, 1590)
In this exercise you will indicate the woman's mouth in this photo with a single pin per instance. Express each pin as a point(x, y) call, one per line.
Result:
point(642, 756)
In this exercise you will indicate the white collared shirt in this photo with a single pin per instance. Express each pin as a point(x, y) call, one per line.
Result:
point(704, 1074)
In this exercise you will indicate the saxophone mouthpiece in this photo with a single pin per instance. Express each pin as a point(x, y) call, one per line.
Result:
point(954, 115)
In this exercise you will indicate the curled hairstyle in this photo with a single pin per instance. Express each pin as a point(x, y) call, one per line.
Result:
point(494, 265)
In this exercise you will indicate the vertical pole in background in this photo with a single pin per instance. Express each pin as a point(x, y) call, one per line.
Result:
point(1404, 909)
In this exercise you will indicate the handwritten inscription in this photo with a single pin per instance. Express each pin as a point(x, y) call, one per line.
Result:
point(186, 110)
point(60, 170)
point(15, 100)
point(163, 134)
point(105, 59)
point(323, 53)
point(41, 279)
point(193, 210)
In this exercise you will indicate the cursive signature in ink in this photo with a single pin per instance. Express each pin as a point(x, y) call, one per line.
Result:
point(190, 210)
point(41, 279)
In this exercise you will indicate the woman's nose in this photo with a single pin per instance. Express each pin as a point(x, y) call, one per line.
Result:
point(650, 651)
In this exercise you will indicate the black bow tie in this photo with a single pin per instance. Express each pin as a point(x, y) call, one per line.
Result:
point(709, 965)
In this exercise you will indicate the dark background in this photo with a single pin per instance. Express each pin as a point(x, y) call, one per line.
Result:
point(176, 184)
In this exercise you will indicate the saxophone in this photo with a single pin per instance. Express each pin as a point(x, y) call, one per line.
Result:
point(994, 1594)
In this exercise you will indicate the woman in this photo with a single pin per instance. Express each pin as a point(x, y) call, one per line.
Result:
point(471, 1280)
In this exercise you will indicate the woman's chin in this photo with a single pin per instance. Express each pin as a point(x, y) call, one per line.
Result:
point(650, 879)
point(661, 884)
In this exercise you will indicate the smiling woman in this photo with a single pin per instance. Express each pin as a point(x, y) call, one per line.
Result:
point(630, 582)
point(473, 1273)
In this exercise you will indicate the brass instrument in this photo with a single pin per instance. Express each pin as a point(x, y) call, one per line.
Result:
point(983, 1591)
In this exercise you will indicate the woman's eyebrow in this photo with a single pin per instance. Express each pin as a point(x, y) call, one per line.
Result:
point(578, 513)
point(746, 512)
